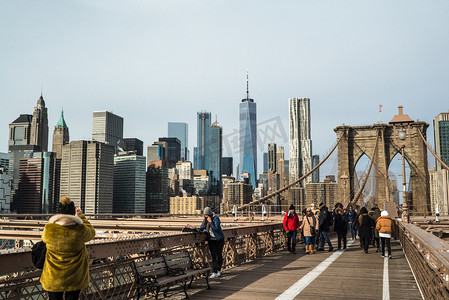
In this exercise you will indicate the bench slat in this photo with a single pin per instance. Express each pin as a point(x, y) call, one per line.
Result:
point(177, 262)
point(150, 261)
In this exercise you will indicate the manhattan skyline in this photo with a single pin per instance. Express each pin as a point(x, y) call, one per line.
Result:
point(155, 62)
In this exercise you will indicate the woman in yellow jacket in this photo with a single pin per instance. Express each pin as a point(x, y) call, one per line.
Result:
point(66, 268)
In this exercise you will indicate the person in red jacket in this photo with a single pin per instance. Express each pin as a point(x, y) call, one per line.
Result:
point(291, 225)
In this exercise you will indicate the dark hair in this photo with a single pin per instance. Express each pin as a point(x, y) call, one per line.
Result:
point(363, 210)
point(292, 207)
point(66, 208)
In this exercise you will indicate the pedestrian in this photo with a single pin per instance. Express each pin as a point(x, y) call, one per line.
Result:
point(316, 213)
point(375, 215)
point(341, 227)
point(385, 227)
point(366, 224)
point(291, 225)
point(351, 216)
point(325, 221)
point(66, 267)
point(309, 227)
point(212, 225)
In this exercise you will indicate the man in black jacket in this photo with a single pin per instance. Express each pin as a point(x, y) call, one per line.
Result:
point(325, 221)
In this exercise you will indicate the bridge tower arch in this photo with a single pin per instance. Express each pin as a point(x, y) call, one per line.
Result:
point(381, 143)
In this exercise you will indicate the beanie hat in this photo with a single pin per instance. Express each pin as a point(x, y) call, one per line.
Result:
point(66, 206)
point(208, 211)
point(322, 205)
point(363, 210)
point(292, 207)
point(384, 213)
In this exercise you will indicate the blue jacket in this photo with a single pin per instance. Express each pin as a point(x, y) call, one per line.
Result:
point(215, 226)
point(352, 215)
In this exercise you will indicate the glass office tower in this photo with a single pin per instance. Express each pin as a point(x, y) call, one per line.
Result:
point(215, 155)
point(180, 131)
point(248, 138)
point(202, 149)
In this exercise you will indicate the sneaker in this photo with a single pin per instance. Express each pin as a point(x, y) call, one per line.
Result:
point(214, 275)
point(389, 257)
point(366, 252)
point(382, 255)
point(218, 274)
point(331, 249)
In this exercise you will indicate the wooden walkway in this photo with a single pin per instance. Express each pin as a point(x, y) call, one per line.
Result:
point(352, 275)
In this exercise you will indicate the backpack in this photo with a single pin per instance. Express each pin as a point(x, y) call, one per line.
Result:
point(38, 253)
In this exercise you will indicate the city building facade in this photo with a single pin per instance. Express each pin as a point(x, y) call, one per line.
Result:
point(300, 139)
point(441, 135)
point(133, 144)
point(60, 136)
point(157, 188)
point(215, 157)
point(201, 154)
point(272, 157)
point(87, 175)
point(108, 128)
point(39, 126)
point(172, 148)
point(181, 132)
point(248, 137)
point(38, 191)
point(129, 183)
point(227, 164)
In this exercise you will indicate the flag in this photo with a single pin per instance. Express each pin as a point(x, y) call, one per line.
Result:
point(380, 107)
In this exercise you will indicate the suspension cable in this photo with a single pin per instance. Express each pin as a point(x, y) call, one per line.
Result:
point(291, 184)
point(434, 154)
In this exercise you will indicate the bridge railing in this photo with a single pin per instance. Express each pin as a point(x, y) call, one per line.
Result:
point(110, 269)
point(428, 257)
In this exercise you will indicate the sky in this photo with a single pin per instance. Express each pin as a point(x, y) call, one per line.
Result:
point(154, 62)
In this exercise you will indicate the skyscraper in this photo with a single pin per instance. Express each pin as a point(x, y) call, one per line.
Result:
point(441, 132)
point(60, 136)
point(202, 148)
point(4, 162)
point(133, 144)
point(129, 183)
point(172, 150)
point(300, 142)
point(180, 131)
point(227, 166)
point(108, 128)
point(215, 155)
point(19, 130)
point(157, 190)
point(38, 184)
point(39, 126)
point(248, 137)
point(272, 159)
point(87, 175)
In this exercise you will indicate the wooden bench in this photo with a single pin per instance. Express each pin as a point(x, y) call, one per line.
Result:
point(161, 273)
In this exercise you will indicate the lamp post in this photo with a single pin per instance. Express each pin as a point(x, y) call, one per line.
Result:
point(344, 178)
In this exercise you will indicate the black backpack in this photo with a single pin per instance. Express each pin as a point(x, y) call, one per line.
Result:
point(38, 253)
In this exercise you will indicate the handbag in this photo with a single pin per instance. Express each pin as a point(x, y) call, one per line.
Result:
point(38, 253)
point(312, 229)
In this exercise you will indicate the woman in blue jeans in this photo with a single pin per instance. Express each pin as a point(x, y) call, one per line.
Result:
point(309, 229)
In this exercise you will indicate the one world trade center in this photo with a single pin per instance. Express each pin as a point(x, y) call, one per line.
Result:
point(248, 137)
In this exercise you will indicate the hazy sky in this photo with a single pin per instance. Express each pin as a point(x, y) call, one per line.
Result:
point(157, 61)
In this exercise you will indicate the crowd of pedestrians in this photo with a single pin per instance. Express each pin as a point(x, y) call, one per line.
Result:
point(373, 227)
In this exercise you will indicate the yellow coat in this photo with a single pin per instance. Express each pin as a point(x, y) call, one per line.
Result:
point(66, 265)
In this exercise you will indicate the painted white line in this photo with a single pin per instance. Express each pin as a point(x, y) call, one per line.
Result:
point(307, 279)
point(386, 283)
